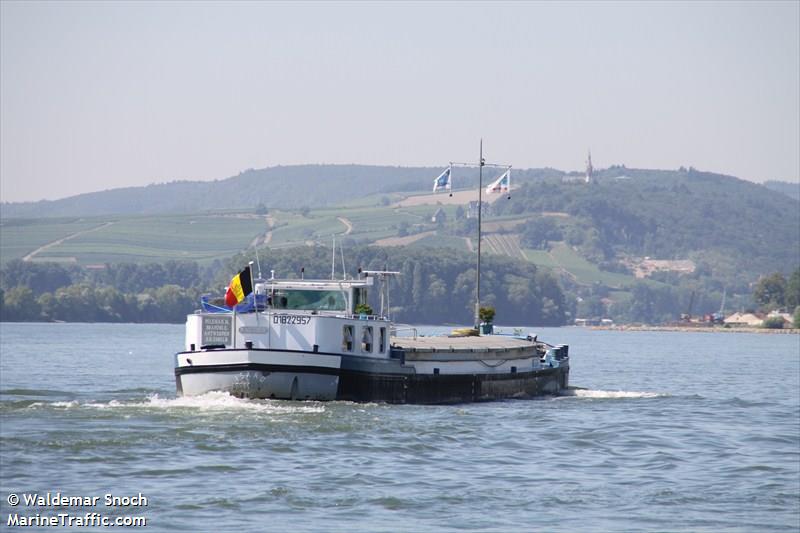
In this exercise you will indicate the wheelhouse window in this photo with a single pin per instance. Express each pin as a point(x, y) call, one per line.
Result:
point(347, 339)
point(309, 300)
point(366, 339)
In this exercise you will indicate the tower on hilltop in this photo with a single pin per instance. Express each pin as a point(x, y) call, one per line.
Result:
point(589, 169)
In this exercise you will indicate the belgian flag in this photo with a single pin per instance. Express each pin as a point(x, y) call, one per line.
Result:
point(241, 285)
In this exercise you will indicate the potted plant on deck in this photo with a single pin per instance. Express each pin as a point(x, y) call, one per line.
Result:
point(364, 310)
point(486, 314)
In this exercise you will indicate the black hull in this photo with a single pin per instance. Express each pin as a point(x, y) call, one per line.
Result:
point(449, 389)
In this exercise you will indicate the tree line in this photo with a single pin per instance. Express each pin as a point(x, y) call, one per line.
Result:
point(432, 288)
point(125, 292)
point(84, 302)
point(776, 292)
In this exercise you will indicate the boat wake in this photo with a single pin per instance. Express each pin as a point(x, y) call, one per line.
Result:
point(609, 394)
point(207, 403)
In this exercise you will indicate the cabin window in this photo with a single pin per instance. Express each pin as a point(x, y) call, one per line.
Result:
point(366, 339)
point(309, 300)
point(347, 339)
point(382, 341)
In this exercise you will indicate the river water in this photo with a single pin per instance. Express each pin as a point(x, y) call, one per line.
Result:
point(673, 432)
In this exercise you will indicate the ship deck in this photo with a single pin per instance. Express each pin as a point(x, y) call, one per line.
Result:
point(485, 347)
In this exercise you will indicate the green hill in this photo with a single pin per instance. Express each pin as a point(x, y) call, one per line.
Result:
point(283, 187)
point(733, 228)
point(792, 190)
point(129, 239)
point(668, 237)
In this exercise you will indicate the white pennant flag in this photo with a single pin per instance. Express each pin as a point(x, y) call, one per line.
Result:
point(443, 181)
point(501, 184)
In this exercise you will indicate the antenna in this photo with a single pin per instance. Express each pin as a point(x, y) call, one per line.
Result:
point(384, 276)
point(344, 270)
point(333, 258)
point(481, 162)
point(258, 263)
point(253, 288)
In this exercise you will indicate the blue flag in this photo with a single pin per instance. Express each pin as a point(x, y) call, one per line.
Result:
point(443, 181)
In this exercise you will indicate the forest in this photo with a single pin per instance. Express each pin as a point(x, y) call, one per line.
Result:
point(734, 228)
point(430, 289)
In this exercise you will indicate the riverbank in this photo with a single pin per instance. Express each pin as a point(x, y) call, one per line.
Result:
point(699, 329)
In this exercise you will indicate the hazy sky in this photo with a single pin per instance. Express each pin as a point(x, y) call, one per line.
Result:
point(102, 95)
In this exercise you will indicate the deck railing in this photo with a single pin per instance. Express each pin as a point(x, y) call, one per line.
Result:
point(403, 327)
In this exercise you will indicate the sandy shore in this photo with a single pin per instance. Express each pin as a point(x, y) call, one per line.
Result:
point(701, 329)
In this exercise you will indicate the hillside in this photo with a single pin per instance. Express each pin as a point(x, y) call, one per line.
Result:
point(91, 241)
point(637, 244)
point(277, 187)
point(792, 190)
point(728, 225)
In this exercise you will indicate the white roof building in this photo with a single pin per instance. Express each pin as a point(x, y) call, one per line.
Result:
point(744, 319)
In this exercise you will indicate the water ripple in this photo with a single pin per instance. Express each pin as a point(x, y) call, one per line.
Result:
point(698, 445)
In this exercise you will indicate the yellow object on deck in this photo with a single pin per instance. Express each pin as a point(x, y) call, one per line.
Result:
point(464, 332)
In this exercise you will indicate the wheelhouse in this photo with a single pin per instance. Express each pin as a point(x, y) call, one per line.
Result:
point(335, 297)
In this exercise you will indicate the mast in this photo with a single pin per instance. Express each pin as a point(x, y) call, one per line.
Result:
point(333, 258)
point(253, 287)
point(258, 262)
point(481, 162)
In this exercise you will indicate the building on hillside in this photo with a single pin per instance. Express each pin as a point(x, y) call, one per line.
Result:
point(472, 209)
point(788, 320)
point(646, 267)
point(595, 321)
point(439, 217)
